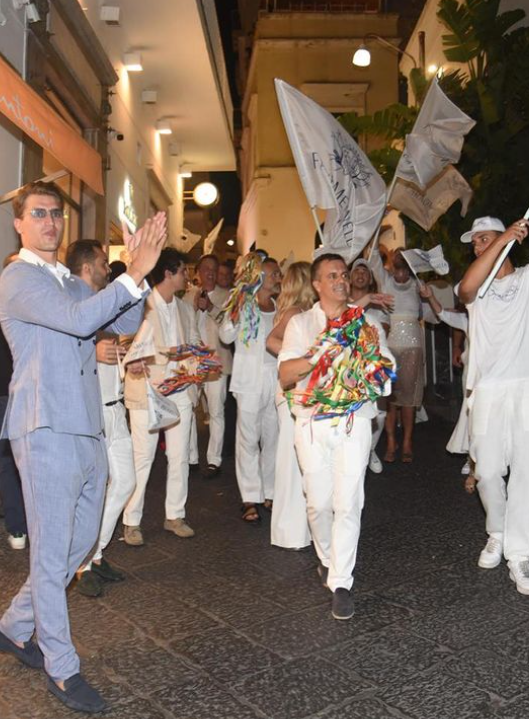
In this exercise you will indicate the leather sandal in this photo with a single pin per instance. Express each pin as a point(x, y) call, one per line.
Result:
point(250, 514)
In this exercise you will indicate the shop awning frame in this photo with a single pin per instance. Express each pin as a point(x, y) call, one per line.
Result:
point(40, 122)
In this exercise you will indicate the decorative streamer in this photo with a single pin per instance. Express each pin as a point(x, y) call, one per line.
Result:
point(242, 306)
point(349, 369)
point(198, 364)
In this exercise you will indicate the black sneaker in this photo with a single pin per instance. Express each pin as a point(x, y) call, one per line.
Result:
point(323, 573)
point(107, 572)
point(89, 584)
point(342, 604)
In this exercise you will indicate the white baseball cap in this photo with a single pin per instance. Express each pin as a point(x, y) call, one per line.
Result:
point(360, 262)
point(483, 224)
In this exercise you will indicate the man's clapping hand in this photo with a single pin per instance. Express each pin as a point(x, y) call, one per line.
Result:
point(145, 245)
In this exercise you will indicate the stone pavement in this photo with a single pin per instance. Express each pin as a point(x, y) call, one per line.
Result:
point(223, 626)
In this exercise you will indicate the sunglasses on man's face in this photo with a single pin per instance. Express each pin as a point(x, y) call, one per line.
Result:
point(40, 213)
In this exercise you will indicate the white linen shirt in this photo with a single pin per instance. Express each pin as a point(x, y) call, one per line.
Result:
point(300, 335)
point(249, 360)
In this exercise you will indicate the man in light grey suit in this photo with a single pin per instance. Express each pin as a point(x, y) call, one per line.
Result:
point(54, 422)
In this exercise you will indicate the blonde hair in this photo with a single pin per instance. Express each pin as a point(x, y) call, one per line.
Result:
point(296, 290)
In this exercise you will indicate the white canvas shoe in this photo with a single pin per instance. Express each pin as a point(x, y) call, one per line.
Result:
point(375, 465)
point(519, 573)
point(491, 554)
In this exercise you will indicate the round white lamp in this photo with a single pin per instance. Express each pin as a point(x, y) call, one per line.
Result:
point(205, 194)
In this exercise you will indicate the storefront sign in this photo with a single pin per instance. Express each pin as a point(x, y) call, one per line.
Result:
point(23, 106)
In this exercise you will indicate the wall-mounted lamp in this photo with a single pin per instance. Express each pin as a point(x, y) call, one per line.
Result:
point(132, 62)
point(163, 127)
point(230, 242)
point(205, 194)
point(362, 56)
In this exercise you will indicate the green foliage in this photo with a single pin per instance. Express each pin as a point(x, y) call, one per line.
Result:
point(495, 93)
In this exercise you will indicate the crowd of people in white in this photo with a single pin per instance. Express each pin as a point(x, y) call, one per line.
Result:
point(309, 474)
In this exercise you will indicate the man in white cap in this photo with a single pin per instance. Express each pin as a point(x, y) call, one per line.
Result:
point(498, 379)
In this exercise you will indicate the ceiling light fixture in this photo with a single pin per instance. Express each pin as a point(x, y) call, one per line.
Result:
point(149, 97)
point(109, 14)
point(132, 62)
point(163, 127)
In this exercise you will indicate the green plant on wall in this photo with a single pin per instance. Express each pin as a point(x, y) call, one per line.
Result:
point(494, 91)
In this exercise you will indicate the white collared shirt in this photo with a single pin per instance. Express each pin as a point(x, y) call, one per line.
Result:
point(59, 271)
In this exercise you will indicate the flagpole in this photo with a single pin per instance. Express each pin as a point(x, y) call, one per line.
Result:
point(317, 222)
point(499, 262)
point(374, 241)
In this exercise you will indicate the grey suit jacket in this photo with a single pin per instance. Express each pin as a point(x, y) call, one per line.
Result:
point(51, 332)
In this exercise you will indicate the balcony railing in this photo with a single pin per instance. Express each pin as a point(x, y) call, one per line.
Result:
point(331, 6)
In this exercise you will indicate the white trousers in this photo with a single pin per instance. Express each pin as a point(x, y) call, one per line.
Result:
point(177, 450)
point(378, 427)
point(122, 477)
point(334, 465)
point(289, 527)
point(256, 443)
point(499, 440)
point(215, 393)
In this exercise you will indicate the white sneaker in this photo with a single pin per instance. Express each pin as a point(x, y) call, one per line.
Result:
point(375, 465)
point(491, 554)
point(465, 469)
point(17, 540)
point(519, 573)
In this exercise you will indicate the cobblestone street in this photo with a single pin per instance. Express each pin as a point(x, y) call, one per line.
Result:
point(224, 626)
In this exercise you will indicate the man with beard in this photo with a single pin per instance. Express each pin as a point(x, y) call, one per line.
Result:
point(86, 259)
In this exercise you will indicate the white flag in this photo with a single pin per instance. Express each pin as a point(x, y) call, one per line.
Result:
point(209, 240)
point(186, 241)
point(426, 260)
point(162, 412)
point(436, 139)
point(336, 175)
point(142, 345)
point(426, 206)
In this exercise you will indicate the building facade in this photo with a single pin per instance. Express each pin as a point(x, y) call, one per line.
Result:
point(76, 58)
point(312, 51)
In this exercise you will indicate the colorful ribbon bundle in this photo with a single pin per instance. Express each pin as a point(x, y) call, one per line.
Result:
point(197, 364)
point(348, 368)
point(241, 306)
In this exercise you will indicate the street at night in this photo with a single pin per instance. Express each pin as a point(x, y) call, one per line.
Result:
point(224, 626)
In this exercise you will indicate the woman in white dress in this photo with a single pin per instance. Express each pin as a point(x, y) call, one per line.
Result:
point(289, 527)
point(405, 340)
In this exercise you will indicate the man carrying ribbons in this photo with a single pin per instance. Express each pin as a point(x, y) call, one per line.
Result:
point(498, 378)
point(339, 364)
point(54, 421)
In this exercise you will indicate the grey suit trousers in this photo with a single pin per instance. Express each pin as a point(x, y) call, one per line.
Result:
point(63, 481)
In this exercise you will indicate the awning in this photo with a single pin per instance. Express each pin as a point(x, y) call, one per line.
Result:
point(26, 109)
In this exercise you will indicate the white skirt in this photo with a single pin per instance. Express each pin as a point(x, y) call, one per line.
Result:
point(290, 527)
